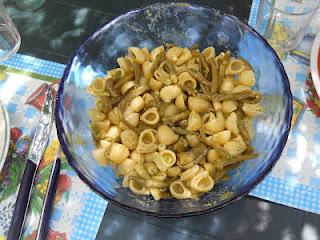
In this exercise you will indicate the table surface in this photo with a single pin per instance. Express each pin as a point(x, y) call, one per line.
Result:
point(55, 31)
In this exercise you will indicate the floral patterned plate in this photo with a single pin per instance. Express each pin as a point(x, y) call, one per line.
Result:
point(4, 134)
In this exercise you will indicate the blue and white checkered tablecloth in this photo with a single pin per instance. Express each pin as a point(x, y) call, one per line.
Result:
point(295, 180)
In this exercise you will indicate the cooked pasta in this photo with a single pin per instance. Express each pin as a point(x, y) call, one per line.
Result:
point(166, 135)
point(118, 152)
point(173, 121)
point(198, 104)
point(150, 116)
point(147, 141)
point(169, 93)
point(185, 80)
point(181, 102)
point(165, 159)
point(130, 139)
point(194, 122)
point(202, 182)
point(179, 190)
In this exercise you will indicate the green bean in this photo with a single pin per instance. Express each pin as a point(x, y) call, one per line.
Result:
point(213, 144)
point(172, 71)
point(239, 158)
point(247, 95)
point(214, 76)
point(200, 151)
point(180, 145)
point(137, 74)
point(224, 64)
point(177, 117)
point(244, 133)
point(205, 96)
point(179, 130)
point(156, 63)
point(123, 80)
point(110, 87)
point(253, 100)
point(204, 66)
point(204, 88)
point(203, 61)
point(143, 126)
point(115, 100)
point(198, 76)
point(131, 95)
point(171, 68)
point(162, 107)
point(104, 104)
point(219, 175)
point(240, 114)
point(187, 89)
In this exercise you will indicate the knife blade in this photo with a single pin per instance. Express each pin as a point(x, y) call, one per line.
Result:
point(36, 150)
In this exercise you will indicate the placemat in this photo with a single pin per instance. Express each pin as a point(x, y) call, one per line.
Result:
point(78, 211)
point(295, 180)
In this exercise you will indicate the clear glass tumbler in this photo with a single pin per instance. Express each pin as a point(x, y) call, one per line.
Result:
point(9, 36)
point(284, 22)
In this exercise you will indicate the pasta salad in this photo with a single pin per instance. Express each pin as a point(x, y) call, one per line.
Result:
point(173, 121)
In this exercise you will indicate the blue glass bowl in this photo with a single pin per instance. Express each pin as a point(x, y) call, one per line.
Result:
point(183, 25)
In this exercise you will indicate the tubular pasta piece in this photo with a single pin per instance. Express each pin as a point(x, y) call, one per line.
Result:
point(234, 67)
point(137, 54)
point(202, 182)
point(147, 141)
point(187, 81)
point(151, 116)
point(100, 156)
point(165, 160)
point(179, 190)
point(166, 136)
point(138, 188)
point(190, 173)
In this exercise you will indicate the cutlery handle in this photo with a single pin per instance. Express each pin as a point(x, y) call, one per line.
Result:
point(21, 205)
point(48, 201)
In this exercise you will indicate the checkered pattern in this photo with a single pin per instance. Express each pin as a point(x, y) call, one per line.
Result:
point(295, 180)
point(87, 224)
point(289, 193)
point(36, 65)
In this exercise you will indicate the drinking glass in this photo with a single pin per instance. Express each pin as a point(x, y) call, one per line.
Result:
point(9, 37)
point(284, 22)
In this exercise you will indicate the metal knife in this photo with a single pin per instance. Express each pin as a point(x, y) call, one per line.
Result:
point(35, 154)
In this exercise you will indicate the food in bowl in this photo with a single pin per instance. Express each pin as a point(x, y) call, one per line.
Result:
point(183, 25)
point(175, 120)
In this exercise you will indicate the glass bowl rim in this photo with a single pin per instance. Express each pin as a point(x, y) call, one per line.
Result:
point(275, 156)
